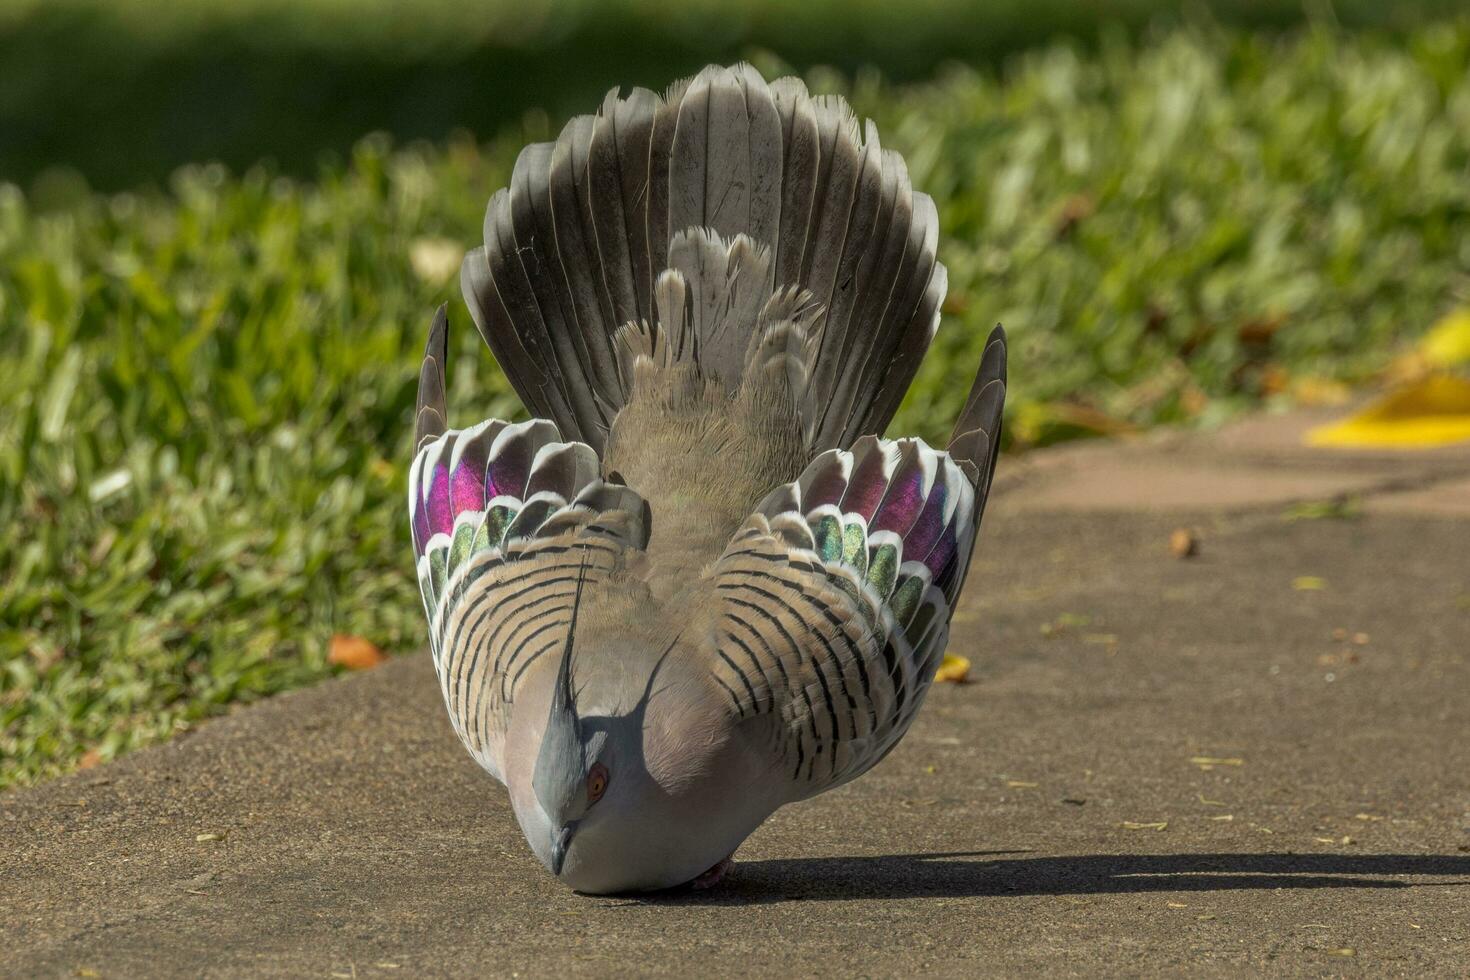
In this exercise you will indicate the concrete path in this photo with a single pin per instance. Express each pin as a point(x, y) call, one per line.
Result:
point(1254, 759)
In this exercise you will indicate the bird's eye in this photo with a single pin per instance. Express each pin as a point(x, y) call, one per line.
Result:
point(596, 782)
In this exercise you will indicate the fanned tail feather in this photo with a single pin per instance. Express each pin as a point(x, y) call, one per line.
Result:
point(671, 223)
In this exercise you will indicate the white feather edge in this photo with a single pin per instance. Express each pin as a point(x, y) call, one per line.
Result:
point(934, 463)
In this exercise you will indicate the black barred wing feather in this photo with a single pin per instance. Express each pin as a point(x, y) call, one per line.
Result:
point(505, 519)
point(835, 601)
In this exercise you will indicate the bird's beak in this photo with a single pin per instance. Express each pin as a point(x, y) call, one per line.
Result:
point(560, 842)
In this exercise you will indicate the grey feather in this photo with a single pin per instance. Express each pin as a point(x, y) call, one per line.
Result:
point(976, 436)
point(635, 120)
point(577, 246)
point(536, 238)
point(496, 281)
point(429, 415)
point(801, 147)
point(619, 243)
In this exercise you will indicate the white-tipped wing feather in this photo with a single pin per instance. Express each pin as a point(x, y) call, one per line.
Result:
point(834, 605)
point(505, 518)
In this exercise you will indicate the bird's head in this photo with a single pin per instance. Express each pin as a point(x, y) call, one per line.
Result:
point(640, 791)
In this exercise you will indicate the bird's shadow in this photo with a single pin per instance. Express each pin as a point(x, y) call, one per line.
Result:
point(968, 874)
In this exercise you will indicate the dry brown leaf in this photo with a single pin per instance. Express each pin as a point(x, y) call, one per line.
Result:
point(1260, 330)
point(354, 653)
point(955, 303)
point(1274, 379)
point(955, 669)
point(1312, 391)
point(1074, 210)
point(1193, 400)
point(89, 758)
point(46, 656)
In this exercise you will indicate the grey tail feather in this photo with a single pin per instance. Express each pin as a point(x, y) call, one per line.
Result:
point(723, 173)
point(430, 416)
point(975, 443)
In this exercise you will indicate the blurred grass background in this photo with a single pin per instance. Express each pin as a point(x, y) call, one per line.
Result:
point(210, 370)
point(125, 90)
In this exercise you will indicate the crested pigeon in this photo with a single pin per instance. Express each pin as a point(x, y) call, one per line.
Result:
point(698, 585)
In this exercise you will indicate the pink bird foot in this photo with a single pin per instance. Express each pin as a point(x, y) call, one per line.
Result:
point(713, 876)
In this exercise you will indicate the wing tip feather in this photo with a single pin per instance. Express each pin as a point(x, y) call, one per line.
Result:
point(430, 416)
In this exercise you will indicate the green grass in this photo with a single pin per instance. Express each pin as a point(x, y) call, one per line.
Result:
point(205, 420)
point(125, 91)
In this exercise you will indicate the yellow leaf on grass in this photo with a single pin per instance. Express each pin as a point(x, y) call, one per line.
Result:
point(1434, 411)
point(1447, 344)
point(955, 669)
point(354, 653)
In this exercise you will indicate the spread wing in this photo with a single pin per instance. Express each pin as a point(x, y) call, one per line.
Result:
point(835, 600)
point(505, 518)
